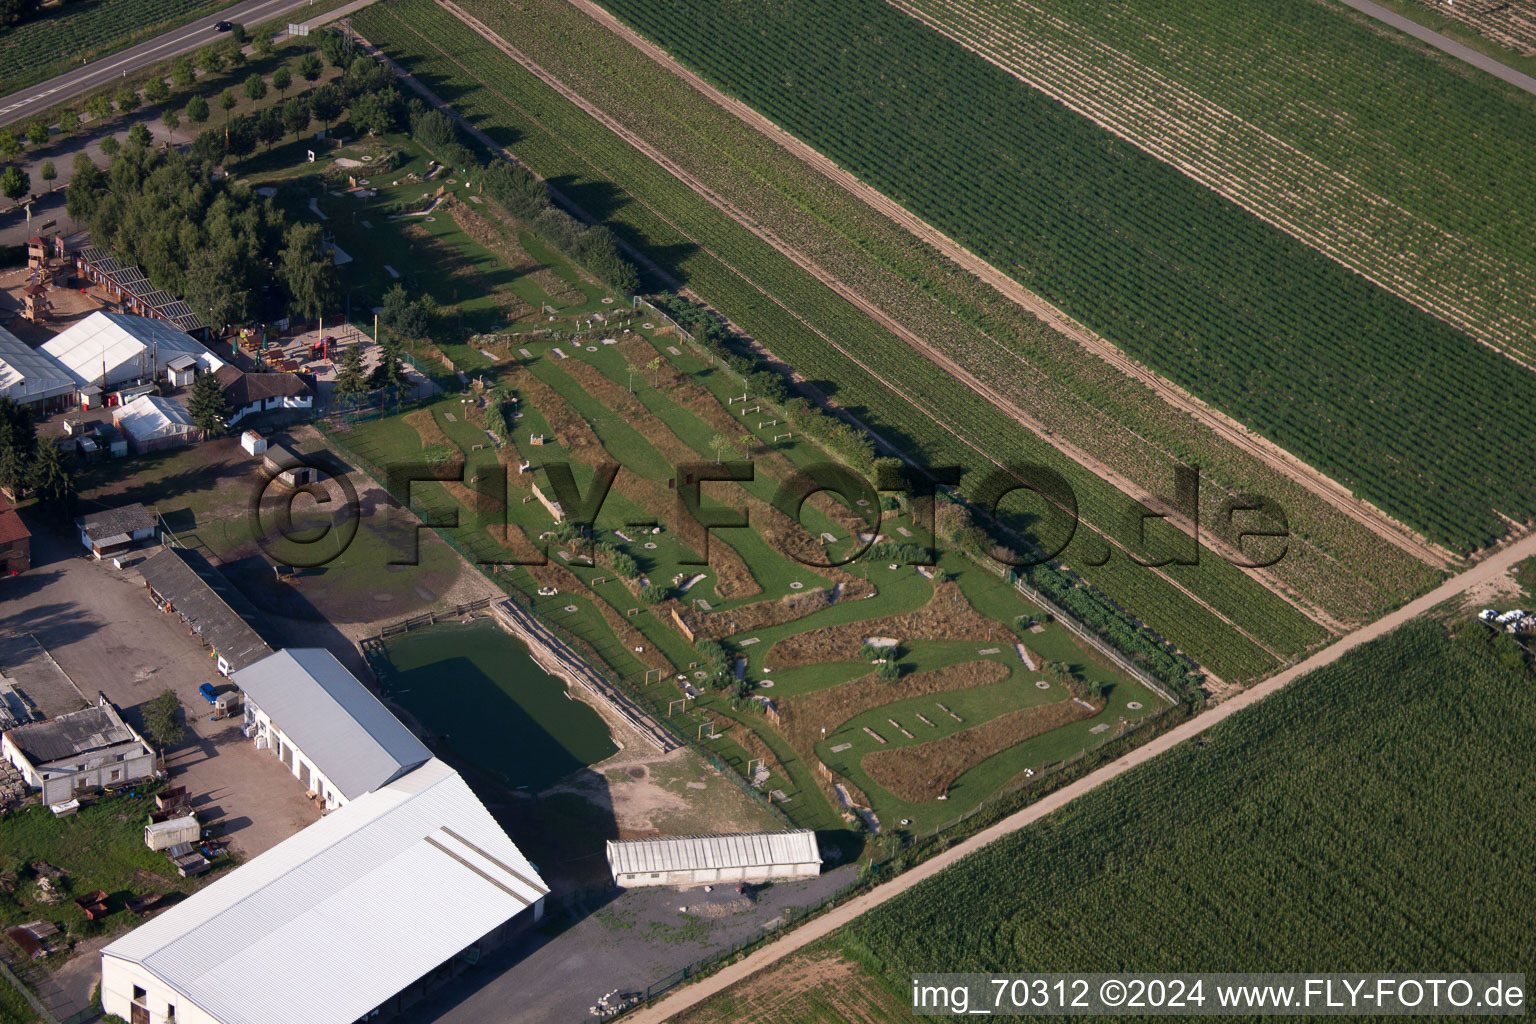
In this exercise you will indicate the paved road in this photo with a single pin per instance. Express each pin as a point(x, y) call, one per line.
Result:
point(35, 99)
point(1449, 45)
point(1492, 567)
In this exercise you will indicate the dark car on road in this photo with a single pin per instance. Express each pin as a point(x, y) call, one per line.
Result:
point(224, 26)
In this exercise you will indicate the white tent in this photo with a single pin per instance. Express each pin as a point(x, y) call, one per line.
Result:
point(124, 349)
point(31, 376)
point(153, 422)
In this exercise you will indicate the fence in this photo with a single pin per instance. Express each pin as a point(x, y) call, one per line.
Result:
point(431, 618)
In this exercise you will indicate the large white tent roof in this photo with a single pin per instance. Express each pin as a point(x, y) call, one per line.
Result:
point(150, 416)
point(127, 347)
point(28, 374)
point(334, 921)
point(687, 853)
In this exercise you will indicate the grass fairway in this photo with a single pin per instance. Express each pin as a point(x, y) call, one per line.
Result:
point(476, 686)
point(1377, 812)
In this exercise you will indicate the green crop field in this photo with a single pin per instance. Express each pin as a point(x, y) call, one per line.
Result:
point(58, 37)
point(1349, 377)
point(1055, 379)
point(914, 404)
point(1333, 823)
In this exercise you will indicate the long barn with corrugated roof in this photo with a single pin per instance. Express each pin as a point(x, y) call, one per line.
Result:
point(701, 860)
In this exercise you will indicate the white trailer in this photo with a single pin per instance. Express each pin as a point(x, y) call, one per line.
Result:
point(165, 834)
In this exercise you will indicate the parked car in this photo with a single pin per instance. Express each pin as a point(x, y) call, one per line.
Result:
point(209, 691)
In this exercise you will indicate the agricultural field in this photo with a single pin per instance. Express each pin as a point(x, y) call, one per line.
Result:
point(1209, 610)
point(57, 37)
point(1045, 374)
point(1503, 29)
point(1316, 822)
point(936, 689)
point(1272, 332)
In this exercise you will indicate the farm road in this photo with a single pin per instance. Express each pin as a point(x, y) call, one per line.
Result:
point(1489, 569)
point(1229, 429)
point(1478, 60)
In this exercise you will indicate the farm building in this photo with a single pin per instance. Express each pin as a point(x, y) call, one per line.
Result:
point(251, 393)
point(152, 423)
point(702, 860)
point(116, 530)
point(32, 377)
point(359, 914)
point(77, 752)
point(126, 283)
point(323, 724)
point(286, 465)
point(183, 582)
point(106, 351)
point(15, 541)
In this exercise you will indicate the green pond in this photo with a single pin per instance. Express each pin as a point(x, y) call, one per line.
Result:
point(475, 686)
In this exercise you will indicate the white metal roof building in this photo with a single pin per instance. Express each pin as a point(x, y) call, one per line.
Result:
point(32, 376)
point(124, 349)
point(323, 724)
point(700, 860)
point(348, 916)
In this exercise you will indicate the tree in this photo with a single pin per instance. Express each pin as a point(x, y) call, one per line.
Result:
point(99, 106)
point(10, 145)
point(238, 33)
point(722, 446)
point(110, 145)
point(264, 47)
point(197, 110)
point(234, 53)
point(296, 115)
point(18, 444)
point(162, 720)
point(255, 86)
point(47, 171)
point(227, 103)
point(374, 112)
point(269, 126)
point(309, 67)
point(171, 120)
point(351, 383)
point(207, 405)
point(306, 272)
point(390, 373)
point(52, 481)
point(127, 99)
point(403, 316)
point(327, 103)
point(139, 135)
point(37, 132)
point(182, 73)
point(15, 183)
point(211, 59)
point(282, 78)
point(654, 365)
point(240, 135)
point(156, 91)
point(69, 123)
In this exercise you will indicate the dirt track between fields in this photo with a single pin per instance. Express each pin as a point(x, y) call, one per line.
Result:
point(1491, 567)
point(880, 316)
point(1230, 429)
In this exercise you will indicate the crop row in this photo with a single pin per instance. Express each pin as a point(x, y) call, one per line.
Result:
point(55, 38)
point(1366, 387)
point(1490, 295)
point(801, 320)
point(1334, 562)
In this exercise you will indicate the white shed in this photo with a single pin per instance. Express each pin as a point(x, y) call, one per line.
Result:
point(181, 370)
point(253, 443)
point(701, 860)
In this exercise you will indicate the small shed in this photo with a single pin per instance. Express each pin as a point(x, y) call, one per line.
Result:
point(253, 443)
point(181, 370)
point(701, 860)
point(285, 464)
point(116, 530)
point(166, 834)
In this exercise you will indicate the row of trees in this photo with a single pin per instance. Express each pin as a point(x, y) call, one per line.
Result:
point(31, 463)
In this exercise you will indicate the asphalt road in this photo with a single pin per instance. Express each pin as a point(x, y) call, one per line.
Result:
point(35, 99)
point(1450, 46)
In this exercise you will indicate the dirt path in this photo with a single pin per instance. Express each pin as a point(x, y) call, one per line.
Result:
point(1230, 429)
point(1491, 567)
point(880, 316)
